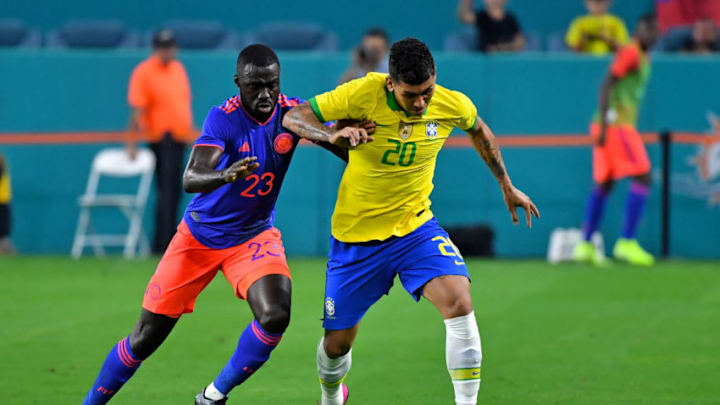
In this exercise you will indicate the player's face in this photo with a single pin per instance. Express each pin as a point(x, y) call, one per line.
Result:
point(413, 98)
point(259, 88)
point(166, 55)
point(597, 7)
point(647, 33)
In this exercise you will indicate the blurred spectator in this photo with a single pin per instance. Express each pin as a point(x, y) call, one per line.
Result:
point(598, 32)
point(704, 38)
point(369, 56)
point(498, 29)
point(159, 95)
point(683, 13)
point(6, 246)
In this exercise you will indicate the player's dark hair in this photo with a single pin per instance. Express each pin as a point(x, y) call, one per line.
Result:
point(378, 32)
point(411, 61)
point(648, 18)
point(258, 55)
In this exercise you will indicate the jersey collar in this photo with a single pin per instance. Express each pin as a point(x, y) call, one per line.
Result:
point(262, 124)
point(393, 104)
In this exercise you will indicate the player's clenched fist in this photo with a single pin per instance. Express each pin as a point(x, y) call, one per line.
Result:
point(350, 137)
point(240, 169)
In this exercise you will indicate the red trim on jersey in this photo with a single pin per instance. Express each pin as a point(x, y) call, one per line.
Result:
point(253, 118)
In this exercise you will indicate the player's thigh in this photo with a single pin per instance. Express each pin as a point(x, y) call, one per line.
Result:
point(260, 256)
point(357, 276)
point(427, 254)
point(634, 161)
point(184, 271)
point(602, 163)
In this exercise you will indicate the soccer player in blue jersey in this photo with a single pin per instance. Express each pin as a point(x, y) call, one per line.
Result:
point(237, 167)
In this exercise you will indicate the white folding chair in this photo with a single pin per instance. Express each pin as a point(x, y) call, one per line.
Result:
point(115, 162)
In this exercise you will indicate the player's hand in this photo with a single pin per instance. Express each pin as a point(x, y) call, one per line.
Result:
point(350, 137)
point(600, 141)
point(515, 199)
point(240, 169)
point(368, 125)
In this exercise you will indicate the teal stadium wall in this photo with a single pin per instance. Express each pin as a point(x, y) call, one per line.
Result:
point(533, 94)
point(429, 20)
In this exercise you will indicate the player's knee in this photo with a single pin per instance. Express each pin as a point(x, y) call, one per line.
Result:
point(335, 348)
point(607, 186)
point(275, 319)
point(460, 305)
point(644, 179)
point(143, 343)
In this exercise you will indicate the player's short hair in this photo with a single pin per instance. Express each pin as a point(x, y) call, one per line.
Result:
point(258, 55)
point(411, 61)
point(649, 18)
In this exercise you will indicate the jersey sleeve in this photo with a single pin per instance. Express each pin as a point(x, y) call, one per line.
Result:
point(215, 131)
point(574, 34)
point(626, 60)
point(621, 33)
point(349, 100)
point(137, 92)
point(466, 112)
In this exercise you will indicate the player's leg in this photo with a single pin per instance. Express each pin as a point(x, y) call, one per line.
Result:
point(602, 175)
point(358, 274)
point(430, 265)
point(633, 162)
point(258, 271)
point(334, 358)
point(463, 350)
point(269, 298)
point(184, 271)
point(127, 355)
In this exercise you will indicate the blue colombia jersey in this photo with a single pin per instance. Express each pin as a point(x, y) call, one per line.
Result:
point(236, 212)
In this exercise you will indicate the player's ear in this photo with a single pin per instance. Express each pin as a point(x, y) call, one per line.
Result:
point(236, 79)
point(389, 83)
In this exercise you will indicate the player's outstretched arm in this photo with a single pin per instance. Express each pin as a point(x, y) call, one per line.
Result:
point(201, 177)
point(605, 90)
point(302, 121)
point(485, 144)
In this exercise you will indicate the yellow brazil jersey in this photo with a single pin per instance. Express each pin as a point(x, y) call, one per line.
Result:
point(385, 190)
point(4, 183)
point(595, 26)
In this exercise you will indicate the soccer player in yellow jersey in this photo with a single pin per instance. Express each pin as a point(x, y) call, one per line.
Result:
point(382, 225)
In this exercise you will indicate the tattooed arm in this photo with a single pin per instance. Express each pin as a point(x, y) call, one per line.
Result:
point(486, 146)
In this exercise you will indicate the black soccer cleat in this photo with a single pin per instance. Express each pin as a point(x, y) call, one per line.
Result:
point(200, 399)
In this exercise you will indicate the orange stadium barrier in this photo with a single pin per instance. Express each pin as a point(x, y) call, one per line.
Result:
point(46, 138)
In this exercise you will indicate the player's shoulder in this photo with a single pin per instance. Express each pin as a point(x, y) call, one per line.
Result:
point(613, 19)
point(372, 83)
point(285, 102)
point(451, 100)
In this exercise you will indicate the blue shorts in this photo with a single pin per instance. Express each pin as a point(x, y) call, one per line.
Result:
point(358, 274)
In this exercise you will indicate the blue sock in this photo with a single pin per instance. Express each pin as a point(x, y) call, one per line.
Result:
point(594, 212)
point(252, 352)
point(634, 208)
point(119, 366)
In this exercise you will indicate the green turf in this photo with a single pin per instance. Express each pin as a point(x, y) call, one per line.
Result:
point(551, 335)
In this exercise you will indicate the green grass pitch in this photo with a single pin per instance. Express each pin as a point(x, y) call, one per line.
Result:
point(551, 335)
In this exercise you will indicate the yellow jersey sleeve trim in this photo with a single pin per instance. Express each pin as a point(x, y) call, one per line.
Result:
point(472, 126)
point(316, 109)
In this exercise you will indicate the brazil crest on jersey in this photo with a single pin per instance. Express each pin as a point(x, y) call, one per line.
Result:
point(385, 190)
point(236, 212)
